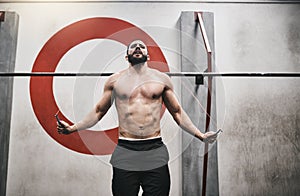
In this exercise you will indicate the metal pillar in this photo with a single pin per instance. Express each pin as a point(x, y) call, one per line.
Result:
point(200, 165)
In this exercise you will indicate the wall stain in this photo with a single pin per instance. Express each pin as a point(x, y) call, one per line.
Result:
point(267, 145)
point(293, 35)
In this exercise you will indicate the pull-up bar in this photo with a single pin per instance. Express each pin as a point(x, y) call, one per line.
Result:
point(199, 76)
point(176, 74)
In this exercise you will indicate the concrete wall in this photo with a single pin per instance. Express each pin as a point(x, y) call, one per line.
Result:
point(258, 153)
point(8, 45)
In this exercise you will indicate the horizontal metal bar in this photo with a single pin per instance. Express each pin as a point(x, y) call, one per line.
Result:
point(158, 1)
point(254, 74)
point(26, 74)
point(178, 74)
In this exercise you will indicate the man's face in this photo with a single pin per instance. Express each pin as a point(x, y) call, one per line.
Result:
point(137, 52)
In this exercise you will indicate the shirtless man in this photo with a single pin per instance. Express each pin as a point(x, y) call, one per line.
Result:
point(140, 158)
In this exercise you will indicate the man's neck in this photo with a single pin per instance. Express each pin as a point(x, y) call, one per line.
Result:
point(138, 68)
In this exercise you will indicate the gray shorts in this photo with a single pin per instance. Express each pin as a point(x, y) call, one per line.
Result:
point(140, 155)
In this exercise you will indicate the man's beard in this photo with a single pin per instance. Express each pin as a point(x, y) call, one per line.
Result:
point(135, 61)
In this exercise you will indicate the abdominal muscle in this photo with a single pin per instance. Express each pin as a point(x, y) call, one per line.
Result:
point(139, 120)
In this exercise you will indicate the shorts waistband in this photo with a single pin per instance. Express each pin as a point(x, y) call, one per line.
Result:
point(144, 141)
point(143, 145)
point(133, 139)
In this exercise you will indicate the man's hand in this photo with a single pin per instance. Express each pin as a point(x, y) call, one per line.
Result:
point(64, 128)
point(211, 136)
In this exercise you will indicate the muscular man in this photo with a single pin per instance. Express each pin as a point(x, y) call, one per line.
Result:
point(140, 158)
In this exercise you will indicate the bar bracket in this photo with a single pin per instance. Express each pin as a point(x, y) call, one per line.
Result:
point(2, 16)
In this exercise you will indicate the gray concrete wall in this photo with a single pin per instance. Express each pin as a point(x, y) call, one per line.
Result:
point(8, 45)
point(258, 153)
point(259, 150)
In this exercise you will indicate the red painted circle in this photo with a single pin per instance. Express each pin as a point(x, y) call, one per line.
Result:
point(41, 88)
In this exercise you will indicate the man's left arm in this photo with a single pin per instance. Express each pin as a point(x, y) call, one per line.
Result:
point(182, 119)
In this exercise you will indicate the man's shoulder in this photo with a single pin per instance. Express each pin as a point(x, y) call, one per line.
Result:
point(158, 73)
point(162, 77)
point(116, 75)
point(113, 78)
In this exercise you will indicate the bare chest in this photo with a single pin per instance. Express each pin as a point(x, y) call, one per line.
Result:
point(134, 87)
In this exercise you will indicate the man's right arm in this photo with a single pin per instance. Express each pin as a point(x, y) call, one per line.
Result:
point(93, 116)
